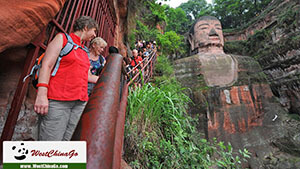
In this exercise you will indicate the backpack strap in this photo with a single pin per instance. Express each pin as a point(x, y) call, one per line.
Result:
point(56, 66)
point(86, 49)
point(68, 47)
point(66, 50)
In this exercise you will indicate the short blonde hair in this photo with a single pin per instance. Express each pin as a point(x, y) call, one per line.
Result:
point(99, 41)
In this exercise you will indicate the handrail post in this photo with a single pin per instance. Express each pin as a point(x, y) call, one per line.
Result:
point(100, 116)
point(120, 127)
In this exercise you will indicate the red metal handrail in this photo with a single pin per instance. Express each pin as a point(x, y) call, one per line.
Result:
point(119, 137)
point(148, 64)
point(103, 120)
point(63, 22)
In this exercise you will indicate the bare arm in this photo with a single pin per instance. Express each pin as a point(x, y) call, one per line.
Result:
point(49, 60)
point(92, 78)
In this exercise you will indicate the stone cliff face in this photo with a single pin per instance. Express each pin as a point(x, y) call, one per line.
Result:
point(11, 66)
point(246, 114)
point(21, 21)
point(264, 20)
point(258, 111)
point(277, 48)
point(121, 8)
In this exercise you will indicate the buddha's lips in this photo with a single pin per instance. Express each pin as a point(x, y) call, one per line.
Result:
point(214, 38)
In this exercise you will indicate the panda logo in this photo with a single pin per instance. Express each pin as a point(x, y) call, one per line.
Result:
point(20, 152)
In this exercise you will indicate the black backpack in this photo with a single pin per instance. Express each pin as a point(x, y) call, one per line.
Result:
point(34, 73)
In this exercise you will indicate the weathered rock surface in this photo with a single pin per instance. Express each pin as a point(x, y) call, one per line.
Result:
point(21, 21)
point(264, 20)
point(246, 114)
point(121, 8)
point(277, 48)
point(11, 66)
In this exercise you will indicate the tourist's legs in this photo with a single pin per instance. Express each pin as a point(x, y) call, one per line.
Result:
point(53, 125)
point(74, 118)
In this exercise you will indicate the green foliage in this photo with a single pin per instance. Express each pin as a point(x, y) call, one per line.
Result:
point(132, 39)
point(158, 12)
point(257, 41)
point(176, 20)
point(252, 46)
point(170, 42)
point(160, 134)
point(143, 32)
point(232, 14)
point(235, 47)
point(163, 66)
point(152, 13)
point(163, 70)
point(235, 13)
point(196, 8)
point(288, 20)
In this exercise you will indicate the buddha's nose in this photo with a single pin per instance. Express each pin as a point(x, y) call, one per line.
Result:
point(213, 32)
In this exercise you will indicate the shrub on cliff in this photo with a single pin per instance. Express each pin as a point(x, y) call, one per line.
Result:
point(160, 134)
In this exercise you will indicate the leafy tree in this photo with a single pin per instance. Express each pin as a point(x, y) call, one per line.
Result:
point(176, 20)
point(234, 13)
point(144, 32)
point(153, 13)
point(170, 43)
point(196, 8)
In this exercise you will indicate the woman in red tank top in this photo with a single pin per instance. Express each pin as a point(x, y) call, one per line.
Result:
point(61, 98)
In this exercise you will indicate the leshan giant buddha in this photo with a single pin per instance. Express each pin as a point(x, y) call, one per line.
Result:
point(230, 93)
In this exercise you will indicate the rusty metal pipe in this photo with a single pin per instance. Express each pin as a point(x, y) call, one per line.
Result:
point(100, 116)
point(119, 136)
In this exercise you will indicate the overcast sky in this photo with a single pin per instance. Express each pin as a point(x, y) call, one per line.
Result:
point(176, 3)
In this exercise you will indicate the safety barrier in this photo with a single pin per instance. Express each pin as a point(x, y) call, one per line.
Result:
point(101, 10)
point(103, 120)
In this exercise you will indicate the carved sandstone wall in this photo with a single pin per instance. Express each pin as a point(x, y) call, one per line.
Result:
point(21, 21)
point(276, 47)
point(246, 114)
point(121, 8)
point(264, 20)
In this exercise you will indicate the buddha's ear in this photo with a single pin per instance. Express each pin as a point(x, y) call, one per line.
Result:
point(191, 41)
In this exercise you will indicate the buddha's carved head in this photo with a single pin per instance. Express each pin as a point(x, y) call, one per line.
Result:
point(206, 33)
